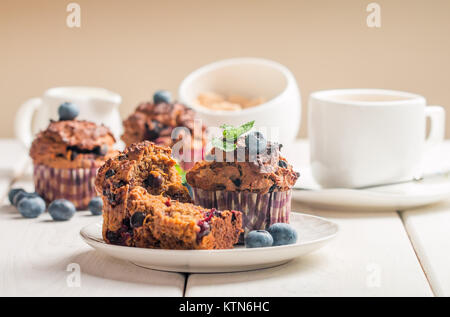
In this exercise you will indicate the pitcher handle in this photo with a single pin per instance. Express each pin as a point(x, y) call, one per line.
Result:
point(24, 119)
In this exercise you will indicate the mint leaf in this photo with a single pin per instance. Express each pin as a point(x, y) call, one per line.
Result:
point(231, 133)
point(182, 173)
point(223, 145)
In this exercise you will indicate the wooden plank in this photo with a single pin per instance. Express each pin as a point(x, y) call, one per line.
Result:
point(371, 256)
point(46, 258)
point(429, 231)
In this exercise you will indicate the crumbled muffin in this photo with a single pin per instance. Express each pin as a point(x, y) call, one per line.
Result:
point(142, 164)
point(262, 173)
point(72, 144)
point(150, 221)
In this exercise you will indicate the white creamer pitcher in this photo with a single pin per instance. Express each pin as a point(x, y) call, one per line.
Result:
point(98, 105)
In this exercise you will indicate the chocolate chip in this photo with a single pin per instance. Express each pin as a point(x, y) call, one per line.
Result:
point(237, 182)
point(122, 157)
point(110, 173)
point(282, 164)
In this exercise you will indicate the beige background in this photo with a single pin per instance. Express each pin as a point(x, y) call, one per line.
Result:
point(134, 47)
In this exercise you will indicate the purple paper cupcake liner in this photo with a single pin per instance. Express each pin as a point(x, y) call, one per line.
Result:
point(259, 211)
point(74, 184)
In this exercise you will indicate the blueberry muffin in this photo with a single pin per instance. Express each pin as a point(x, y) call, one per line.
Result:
point(253, 178)
point(146, 205)
point(143, 164)
point(66, 157)
point(155, 121)
point(150, 221)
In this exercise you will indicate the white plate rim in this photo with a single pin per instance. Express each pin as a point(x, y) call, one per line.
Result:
point(309, 246)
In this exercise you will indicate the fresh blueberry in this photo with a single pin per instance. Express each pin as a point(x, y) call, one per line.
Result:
point(22, 194)
point(258, 239)
point(282, 234)
point(162, 96)
point(61, 210)
point(12, 193)
point(96, 206)
point(255, 142)
point(68, 111)
point(31, 207)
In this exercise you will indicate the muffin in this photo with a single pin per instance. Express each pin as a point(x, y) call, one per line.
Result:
point(253, 178)
point(146, 205)
point(155, 121)
point(66, 157)
point(150, 221)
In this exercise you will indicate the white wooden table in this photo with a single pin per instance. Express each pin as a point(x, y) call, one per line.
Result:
point(393, 253)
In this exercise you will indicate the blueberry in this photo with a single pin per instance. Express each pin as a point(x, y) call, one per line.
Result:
point(110, 173)
point(255, 142)
point(205, 229)
point(96, 206)
point(282, 234)
point(137, 220)
point(153, 181)
point(68, 111)
point(258, 239)
point(162, 96)
point(282, 164)
point(22, 194)
point(61, 210)
point(31, 207)
point(12, 193)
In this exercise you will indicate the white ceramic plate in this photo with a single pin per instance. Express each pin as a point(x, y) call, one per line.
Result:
point(313, 232)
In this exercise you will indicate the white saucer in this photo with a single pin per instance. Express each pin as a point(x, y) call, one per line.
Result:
point(313, 233)
point(391, 197)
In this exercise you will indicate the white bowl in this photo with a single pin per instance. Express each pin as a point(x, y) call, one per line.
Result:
point(279, 117)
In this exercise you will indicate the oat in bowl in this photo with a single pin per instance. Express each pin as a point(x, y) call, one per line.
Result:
point(215, 101)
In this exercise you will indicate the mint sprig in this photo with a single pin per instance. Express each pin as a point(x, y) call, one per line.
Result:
point(231, 134)
point(182, 173)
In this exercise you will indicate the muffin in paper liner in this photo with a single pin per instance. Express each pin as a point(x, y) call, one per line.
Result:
point(259, 211)
point(74, 184)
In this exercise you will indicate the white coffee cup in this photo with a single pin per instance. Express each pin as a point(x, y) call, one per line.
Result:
point(96, 104)
point(248, 77)
point(365, 137)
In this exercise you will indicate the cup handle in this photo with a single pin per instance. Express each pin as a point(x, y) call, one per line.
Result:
point(23, 121)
